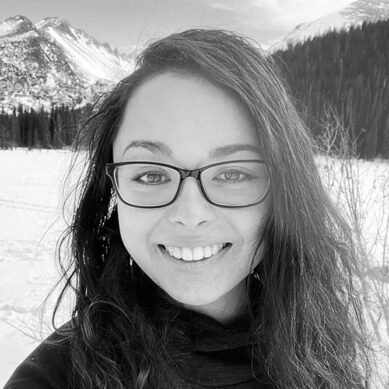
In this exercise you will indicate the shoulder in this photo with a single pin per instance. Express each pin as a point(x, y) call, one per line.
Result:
point(47, 366)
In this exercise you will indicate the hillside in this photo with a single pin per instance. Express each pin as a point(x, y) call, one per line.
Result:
point(344, 75)
point(53, 63)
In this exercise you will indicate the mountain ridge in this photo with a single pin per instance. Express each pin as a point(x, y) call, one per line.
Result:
point(15, 25)
point(354, 14)
point(51, 62)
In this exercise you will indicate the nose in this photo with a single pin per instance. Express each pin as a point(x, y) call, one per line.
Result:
point(191, 208)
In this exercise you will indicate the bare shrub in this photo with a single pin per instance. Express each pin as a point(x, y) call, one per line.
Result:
point(361, 191)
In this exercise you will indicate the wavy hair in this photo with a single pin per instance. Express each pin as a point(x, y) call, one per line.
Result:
point(305, 311)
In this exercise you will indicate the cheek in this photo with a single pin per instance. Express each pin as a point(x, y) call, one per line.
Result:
point(250, 221)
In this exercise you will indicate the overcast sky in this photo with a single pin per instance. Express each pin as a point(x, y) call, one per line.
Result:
point(126, 23)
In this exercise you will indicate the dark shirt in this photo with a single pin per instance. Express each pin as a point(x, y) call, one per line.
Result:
point(220, 358)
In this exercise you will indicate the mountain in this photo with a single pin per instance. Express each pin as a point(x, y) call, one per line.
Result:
point(53, 63)
point(353, 14)
point(88, 58)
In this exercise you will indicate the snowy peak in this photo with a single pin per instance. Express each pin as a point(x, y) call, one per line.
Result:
point(370, 10)
point(362, 10)
point(353, 14)
point(16, 25)
point(61, 26)
point(54, 22)
point(88, 58)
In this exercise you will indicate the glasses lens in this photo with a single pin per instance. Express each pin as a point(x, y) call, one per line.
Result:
point(146, 184)
point(236, 183)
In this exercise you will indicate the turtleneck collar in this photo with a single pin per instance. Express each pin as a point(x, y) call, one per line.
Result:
point(210, 335)
point(213, 354)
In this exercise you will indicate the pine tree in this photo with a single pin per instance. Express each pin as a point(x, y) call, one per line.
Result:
point(347, 71)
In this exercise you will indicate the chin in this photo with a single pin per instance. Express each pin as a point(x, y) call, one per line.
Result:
point(194, 297)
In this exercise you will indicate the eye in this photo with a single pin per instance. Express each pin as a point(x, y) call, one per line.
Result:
point(151, 178)
point(233, 176)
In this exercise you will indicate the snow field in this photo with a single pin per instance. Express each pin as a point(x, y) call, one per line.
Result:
point(31, 196)
point(30, 220)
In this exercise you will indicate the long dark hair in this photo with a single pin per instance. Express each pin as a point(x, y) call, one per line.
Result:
point(305, 312)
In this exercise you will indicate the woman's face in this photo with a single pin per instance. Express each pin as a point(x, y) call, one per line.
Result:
point(190, 117)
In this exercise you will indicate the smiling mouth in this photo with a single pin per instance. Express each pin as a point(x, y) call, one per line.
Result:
point(195, 254)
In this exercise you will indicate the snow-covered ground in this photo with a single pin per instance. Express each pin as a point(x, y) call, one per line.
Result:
point(31, 194)
point(30, 222)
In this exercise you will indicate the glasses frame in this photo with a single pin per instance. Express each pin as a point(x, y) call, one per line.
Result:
point(110, 169)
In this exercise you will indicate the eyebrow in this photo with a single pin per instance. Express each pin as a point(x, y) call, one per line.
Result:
point(157, 147)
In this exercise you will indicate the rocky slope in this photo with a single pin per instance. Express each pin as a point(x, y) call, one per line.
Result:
point(53, 63)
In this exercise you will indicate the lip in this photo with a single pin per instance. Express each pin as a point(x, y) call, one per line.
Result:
point(220, 255)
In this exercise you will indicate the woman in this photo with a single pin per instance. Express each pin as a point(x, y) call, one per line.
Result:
point(206, 251)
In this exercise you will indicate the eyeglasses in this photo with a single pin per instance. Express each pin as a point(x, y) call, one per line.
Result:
point(232, 184)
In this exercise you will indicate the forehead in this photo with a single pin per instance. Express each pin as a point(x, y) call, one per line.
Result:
point(188, 114)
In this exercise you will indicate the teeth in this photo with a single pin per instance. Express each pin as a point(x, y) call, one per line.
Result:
point(187, 254)
point(196, 253)
point(207, 252)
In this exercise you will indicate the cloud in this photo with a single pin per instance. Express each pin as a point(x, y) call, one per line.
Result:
point(282, 13)
point(298, 11)
point(234, 6)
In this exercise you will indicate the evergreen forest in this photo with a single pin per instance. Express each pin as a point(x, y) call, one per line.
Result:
point(54, 128)
point(344, 76)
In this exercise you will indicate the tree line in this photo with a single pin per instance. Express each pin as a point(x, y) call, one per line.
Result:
point(344, 75)
point(54, 128)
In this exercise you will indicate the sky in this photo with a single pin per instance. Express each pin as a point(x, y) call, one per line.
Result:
point(126, 24)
